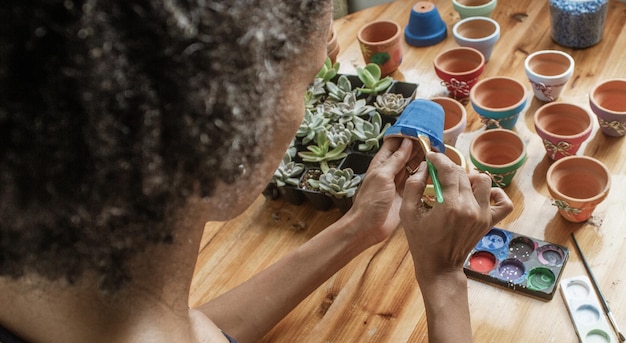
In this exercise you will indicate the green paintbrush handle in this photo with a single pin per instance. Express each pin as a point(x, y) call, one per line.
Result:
point(436, 184)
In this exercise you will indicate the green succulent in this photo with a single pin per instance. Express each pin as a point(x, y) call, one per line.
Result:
point(328, 71)
point(339, 183)
point(349, 108)
point(340, 134)
point(314, 93)
point(288, 172)
point(313, 122)
point(372, 83)
point(391, 104)
point(322, 152)
point(337, 92)
point(369, 132)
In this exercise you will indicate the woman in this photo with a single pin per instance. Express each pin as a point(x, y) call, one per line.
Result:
point(125, 125)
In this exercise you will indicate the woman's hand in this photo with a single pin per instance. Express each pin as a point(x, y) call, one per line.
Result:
point(440, 238)
point(377, 203)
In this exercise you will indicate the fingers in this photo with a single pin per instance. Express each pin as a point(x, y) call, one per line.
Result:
point(481, 187)
point(392, 157)
point(413, 190)
point(502, 204)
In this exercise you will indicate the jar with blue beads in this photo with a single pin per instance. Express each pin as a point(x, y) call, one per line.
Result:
point(577, 23)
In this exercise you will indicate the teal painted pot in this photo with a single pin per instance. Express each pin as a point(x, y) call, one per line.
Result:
point(498, 153)
point(498, 101)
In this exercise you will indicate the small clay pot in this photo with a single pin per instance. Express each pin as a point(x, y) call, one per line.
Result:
point(577, 185)
point(607, 101)
point(563, 127)
point(480, 33)
point(332, 48)
point(381, 43)
point(499, 153)
point(455, 119)
point(474, 8)
point(459, 69)
point(425, 25)
point(548, 72)
point(498, 101)
point(455, 156)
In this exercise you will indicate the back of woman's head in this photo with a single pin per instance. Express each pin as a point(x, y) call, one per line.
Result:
point(112, 111)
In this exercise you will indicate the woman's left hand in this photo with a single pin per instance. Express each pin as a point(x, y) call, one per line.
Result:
point(377, 202)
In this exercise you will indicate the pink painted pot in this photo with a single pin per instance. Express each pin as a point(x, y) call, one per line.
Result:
point(459, 69)
point(608, 101)
point(563, 127)
point(577, 185)
point(381, 43)
point(455, 118)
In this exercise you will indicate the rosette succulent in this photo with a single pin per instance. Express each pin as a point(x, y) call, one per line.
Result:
point(288, 172)
point(369, 133)
point(323, 153)
point(391, 104)
point(372, 83)
point(339, 183)
point(313, 122)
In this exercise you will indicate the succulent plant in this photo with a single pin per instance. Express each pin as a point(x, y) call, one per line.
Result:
point(288, 172)
point(340, 133)
point(322, 152)
point(313, 122)
point(369, 132)
point(328, 71)
point(372, 83)
point(314, 93)
point(391, 104)
point(339, 183)
point(349, 108)
point(337, 92)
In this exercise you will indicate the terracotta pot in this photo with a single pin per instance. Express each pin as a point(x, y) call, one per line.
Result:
point(459, 69)
point(332, 48)
point(499, 153)
point(425, 25)
point(474, 8)
point(548, 72)
point(563, 127)
point(381, 43)
point(607, 101)
point(498, 101)
point(455, 156)
point(577, 185)
point(455, 119)
point(480, 33)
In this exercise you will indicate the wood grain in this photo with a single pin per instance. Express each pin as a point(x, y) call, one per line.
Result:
point(375, 298)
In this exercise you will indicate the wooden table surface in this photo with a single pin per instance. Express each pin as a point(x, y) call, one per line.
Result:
point(375, 298)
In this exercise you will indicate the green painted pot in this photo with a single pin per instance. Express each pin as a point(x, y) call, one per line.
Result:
point(498, 153)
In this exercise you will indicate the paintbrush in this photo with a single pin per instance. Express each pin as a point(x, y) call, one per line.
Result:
point(432, 171)
point(605, 305)
point(423, 120)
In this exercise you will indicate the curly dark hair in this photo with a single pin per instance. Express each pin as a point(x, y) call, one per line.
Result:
point(111, 111)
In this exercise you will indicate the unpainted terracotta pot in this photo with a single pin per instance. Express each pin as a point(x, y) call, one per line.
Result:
point(563, 127)
point(332, 48)
point(381, 43)
point(459, 69)
point(499, 153)
point(577, 185)
point(607, 101)
point(455, 118)
point(498, 100)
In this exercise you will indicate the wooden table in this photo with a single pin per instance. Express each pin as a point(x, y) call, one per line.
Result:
point(375, 298)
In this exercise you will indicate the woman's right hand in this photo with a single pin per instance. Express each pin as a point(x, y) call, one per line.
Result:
point(441, 237)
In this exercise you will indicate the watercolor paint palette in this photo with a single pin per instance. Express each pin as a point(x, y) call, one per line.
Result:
point(518, 263)
point(585, 311)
